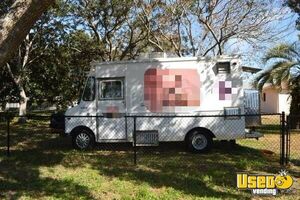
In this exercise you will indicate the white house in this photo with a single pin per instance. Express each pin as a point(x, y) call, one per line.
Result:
point(272, 99)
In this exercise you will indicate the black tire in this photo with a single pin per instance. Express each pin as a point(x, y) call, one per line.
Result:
point(199, 141)
point(57, 121)
point(232, 144)
point(83, 139)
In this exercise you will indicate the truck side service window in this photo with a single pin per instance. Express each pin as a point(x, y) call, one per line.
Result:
point(228, 111)
point(89, 90)
point(111, 89)
point(223, 67)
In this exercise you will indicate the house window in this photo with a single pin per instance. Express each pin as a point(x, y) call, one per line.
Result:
point(223, 67)
point(111, 89)
point(264, 97)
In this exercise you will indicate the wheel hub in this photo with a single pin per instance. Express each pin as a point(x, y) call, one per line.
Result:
point(199, 142)
point(82, 140)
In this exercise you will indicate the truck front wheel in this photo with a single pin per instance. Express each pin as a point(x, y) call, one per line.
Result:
point(83, 139)
point(199, 141)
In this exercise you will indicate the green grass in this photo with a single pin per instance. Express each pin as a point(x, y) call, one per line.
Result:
point(271, 128)
point(44, 166)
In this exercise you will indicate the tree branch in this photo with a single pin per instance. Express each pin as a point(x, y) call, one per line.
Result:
point(15, 25)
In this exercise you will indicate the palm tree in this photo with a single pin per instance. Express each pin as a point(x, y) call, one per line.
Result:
point(283, 71)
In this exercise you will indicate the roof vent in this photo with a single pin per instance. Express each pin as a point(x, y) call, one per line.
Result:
point(152, 55)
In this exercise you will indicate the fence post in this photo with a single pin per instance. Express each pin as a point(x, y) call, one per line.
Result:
point(282, 154)
point(287, 148)
point(8, 134)
point(134, 138)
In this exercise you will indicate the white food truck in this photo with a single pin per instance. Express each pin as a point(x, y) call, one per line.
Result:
point(192, 99)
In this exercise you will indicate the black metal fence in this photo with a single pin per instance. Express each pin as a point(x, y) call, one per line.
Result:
point(219, 139)
point(293, 140)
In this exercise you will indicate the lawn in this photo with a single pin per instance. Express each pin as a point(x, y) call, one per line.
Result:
point(271, 128)
point(43, 165)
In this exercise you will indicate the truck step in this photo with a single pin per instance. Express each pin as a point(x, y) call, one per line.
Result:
point(147, 138)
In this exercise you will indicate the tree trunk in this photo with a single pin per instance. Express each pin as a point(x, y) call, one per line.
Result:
point(23, 102)
point(23, 105)
point(295, 106)
point(15, 25)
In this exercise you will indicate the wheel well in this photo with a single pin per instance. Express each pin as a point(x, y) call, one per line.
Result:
point(200, 129)
point(78, 128)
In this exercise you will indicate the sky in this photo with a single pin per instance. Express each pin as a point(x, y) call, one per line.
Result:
point(291, 35)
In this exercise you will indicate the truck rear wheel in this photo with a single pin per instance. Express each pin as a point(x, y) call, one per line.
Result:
point(199, 141)
point(83, 139)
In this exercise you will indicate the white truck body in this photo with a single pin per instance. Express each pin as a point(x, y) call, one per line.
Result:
point(165, 86)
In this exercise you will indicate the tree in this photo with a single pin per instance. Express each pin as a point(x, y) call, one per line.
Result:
point(55, 68)
point(61, 44)
point(284, 69)
point(295, 6)
point(62, 69)
point(50, 64)
point(18, 71)
point(210, 27)
point(113, 24)
point(16, 23)
point(30, 51)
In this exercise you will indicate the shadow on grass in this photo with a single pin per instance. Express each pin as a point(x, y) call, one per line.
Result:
point(295, 161)
point(204, 175)
point(20, 176)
